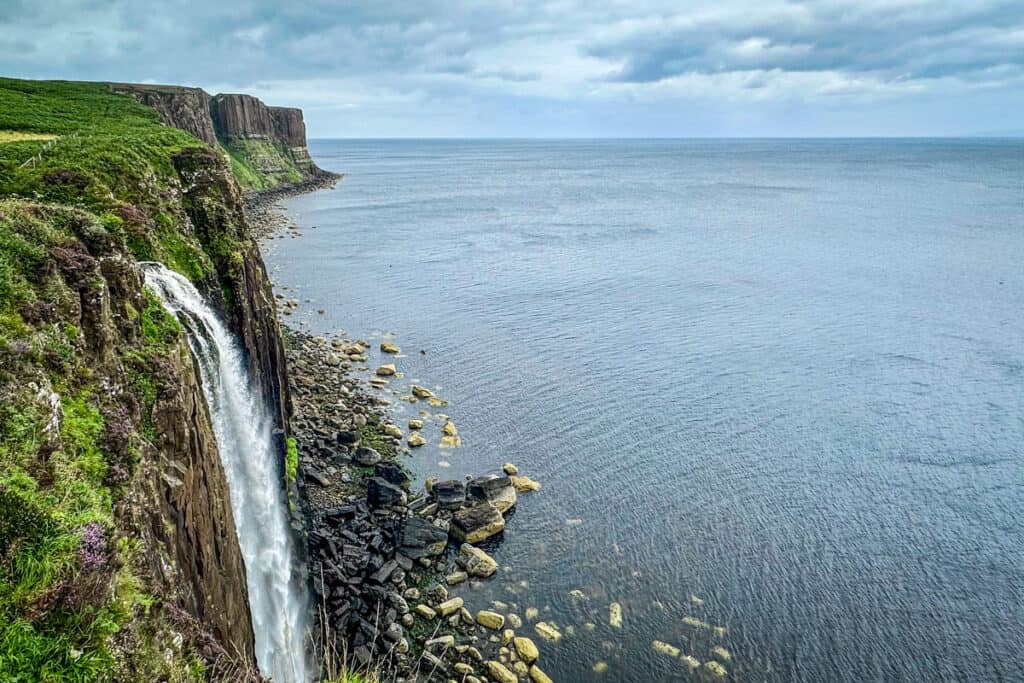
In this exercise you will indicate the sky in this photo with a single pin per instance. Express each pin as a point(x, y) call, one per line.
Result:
point(557, 68)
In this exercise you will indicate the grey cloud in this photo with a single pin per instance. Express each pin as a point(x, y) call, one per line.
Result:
point(897, 42)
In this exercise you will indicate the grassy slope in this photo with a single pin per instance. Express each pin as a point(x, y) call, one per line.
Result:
point(107, 180)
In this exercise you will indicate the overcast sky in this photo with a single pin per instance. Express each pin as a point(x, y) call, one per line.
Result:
point(552, 68)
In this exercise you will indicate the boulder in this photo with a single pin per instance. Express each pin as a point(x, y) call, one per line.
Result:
point(449, 429)
point(425, 611)
point(415, 424)
point(416, 440)
point(526, 650)
point(440, 643)
point(450, 494)
point(498, 672)
point(450, 607)
point(420, 538)
point(349, 438)
point(494, 489)
point(392, 473)
point(524, 484)
point(475, 561)
point(510, 469)
point(393, 430)
point(421, 392)
point(367, 457)
point(455, 578)
point(538, 676)
point(491, 620)
point(665, 648)
point(380, 492)
point(387, 370)
point(477, 522)
point(389, 347)
point(721, 654)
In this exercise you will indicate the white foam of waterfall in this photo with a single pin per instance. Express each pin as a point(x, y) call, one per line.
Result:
point(278, 597)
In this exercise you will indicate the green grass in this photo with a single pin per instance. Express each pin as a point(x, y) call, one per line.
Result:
point(292, 459)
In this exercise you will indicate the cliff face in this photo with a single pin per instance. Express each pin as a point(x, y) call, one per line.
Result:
point(116, 527)
point(180, 107)
point(266, 144)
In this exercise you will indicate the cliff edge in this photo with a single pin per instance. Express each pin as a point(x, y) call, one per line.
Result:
point(119, 557)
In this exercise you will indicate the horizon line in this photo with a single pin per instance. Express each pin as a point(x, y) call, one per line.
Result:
point(974, 136)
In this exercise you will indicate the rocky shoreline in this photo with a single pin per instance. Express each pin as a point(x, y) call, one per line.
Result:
point(382, 555)
point(266, 215)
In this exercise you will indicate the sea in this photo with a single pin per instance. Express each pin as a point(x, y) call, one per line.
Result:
point(773, 389)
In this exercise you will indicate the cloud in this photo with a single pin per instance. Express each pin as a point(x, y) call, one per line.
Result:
point(468, 67)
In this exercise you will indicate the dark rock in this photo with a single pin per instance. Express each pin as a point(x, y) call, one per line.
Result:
point(477, 522)
point(349, 438)
point(367, 457)
point(449, 494)
point(391, 472)
point(317, 476)
point(380, 492)
point(420, 538)
point(497, 490)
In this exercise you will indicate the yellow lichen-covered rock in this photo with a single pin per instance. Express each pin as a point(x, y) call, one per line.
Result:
point(416, 440)
point(475, 561)
point(506, 637)
point(548, 631)
point(389, 347)
point(531, 613)
point(449, 607)
point(449, 429)
point(451, 442)
point(721, 654)
point(666, 649)
point(489, 619)
point(499, 673)
point(393, 430)
point(436, 402)
point(694, 622)
point(600, 667)
point(415, 424)
point(538, 676)
point(615, 615)
point(690, 662)
point(421, 392)
point(509, 469)
point(524, 484)
point(425, 611)
point(695, 600)
point(715, 669)
point(477, 522)
point(386, 370)
point(526, 650)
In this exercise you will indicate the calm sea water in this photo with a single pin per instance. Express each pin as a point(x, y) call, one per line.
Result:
point(784, 377)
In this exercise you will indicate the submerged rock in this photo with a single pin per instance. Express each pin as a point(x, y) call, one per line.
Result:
point(389, 347)
point(415, 424)
point(615, 615)
point(548, 631)
point(665, 648)
point(715, 669)
point(416, 440)
point(524, 484)
point(387, 370)
point(538, 676)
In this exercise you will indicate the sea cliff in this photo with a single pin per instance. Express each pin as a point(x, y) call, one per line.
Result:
point(118, 552)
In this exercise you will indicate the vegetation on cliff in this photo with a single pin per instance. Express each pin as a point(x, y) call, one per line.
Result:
point(95, 379)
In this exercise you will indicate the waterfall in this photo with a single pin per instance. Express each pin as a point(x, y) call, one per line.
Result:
point(278, 597)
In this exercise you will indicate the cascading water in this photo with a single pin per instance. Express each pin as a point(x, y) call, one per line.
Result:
point(278, 597)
